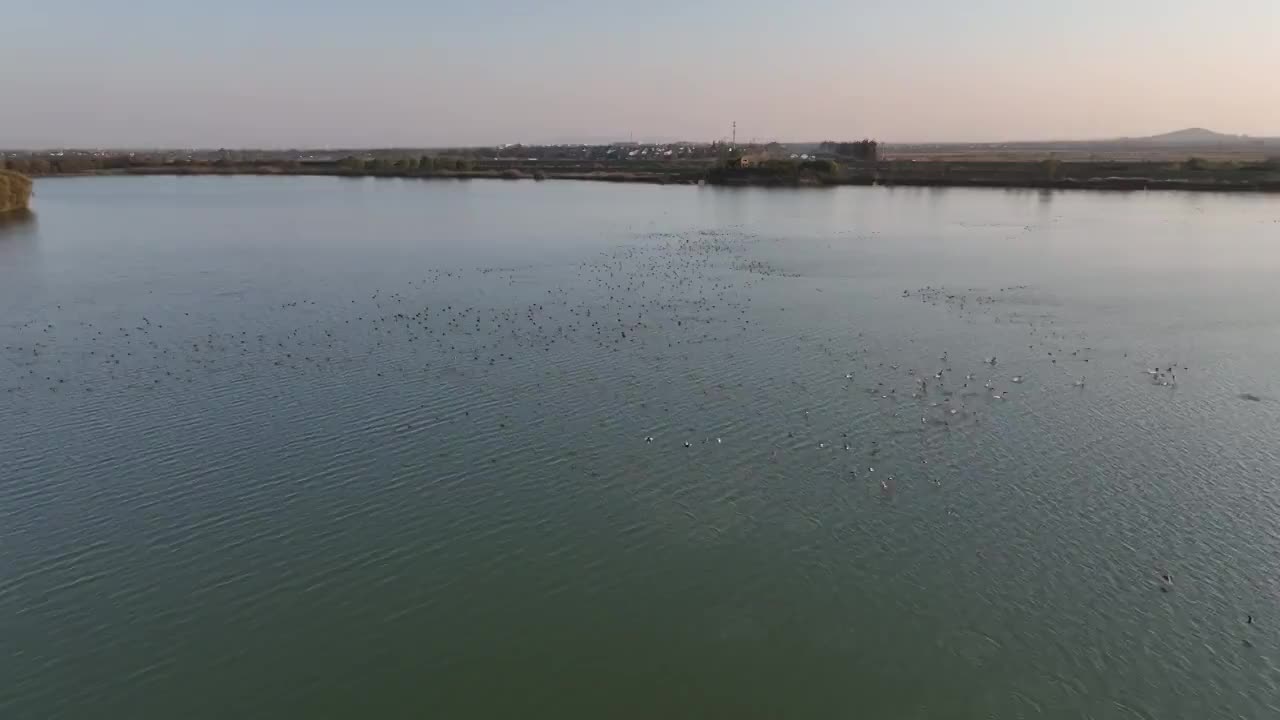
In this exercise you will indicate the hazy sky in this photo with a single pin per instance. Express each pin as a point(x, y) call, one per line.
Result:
point(433, 72)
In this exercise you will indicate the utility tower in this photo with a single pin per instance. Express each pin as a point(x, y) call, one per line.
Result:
point(735, 134)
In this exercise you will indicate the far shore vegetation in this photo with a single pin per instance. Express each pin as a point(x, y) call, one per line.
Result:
point(861, 162)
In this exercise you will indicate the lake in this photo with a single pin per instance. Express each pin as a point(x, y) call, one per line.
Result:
point(318, 447)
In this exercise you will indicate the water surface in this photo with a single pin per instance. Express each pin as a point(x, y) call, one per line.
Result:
point(309, 447)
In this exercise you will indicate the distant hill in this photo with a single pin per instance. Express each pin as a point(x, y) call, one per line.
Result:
point(1197, 136)
point(1176, 146)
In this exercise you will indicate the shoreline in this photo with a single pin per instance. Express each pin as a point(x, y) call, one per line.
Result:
point(916, 174)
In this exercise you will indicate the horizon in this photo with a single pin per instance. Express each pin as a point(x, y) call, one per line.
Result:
point(393, 74)
point(684, 141)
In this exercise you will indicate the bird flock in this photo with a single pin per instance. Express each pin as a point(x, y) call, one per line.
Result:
point(654, 298)
point(660, 300)
point(662, 293)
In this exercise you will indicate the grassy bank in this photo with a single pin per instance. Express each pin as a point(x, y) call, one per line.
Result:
point(15, 191)
point(509, 173)
point(1193, 174)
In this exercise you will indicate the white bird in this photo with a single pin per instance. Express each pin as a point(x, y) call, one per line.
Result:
point(1017, 378)
point(1080, 382)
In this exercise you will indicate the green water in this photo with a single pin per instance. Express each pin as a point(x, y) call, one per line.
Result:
point(308, 447)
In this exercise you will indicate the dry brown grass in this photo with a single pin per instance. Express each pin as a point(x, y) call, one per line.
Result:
point(15, 191)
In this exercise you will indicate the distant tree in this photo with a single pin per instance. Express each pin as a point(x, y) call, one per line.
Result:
point(1051, 167)
point(1196, 164)
point(114, 162)
point(862, 150)
point(425, 164)
point(823, 167)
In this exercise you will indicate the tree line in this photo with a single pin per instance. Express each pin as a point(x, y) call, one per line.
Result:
point(55, 165)
point(50, 164)
point(424, 164)
point(860, 150)
point(80, 162)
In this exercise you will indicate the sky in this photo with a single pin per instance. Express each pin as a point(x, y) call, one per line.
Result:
point(433, 73)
